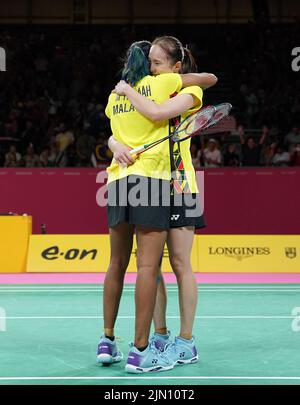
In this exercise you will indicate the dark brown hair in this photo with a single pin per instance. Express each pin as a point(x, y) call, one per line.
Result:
point(172, 47)
point(188, 64)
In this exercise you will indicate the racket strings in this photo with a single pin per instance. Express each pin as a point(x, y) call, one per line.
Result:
point(193, 124)
point(222, 110)
point(198, 122)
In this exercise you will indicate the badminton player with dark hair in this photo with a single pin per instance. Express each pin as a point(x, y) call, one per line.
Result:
point(164, 55)
point(151, 223)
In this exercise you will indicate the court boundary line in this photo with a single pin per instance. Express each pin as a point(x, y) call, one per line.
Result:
point(169, 317)
point(130, 286)
point(131, 290)
point(152, 378)
point(100, 284)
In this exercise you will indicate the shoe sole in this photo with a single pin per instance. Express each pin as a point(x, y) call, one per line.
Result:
point(189, 361)
point(108, 359)
point(139, 370)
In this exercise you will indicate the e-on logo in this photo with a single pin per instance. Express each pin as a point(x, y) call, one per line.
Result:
point(53, 253)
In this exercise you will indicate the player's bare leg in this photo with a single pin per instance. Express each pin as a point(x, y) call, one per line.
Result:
point(159, 314)
point(150, 244)
point(180, 242)
point(121, 238)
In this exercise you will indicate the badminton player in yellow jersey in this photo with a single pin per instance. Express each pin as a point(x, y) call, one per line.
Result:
point(151, 222)
point(180, 237)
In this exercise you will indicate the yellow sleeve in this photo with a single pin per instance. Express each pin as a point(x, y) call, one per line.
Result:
point(197, 93)
point(171, 82)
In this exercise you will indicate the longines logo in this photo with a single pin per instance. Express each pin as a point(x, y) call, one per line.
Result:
point(291, 252)
point(239, 253)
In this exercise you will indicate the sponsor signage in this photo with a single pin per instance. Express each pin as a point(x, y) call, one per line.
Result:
point(210, 253)
point(249, 253)
point(80, 254)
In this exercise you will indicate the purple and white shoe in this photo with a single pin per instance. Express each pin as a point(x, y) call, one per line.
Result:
point(151, 359)
point(108, 352)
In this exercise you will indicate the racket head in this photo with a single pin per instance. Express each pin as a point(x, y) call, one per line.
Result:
point(193, 124)
point(222, 110)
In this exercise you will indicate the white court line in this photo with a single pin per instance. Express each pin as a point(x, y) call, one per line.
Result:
point(14, 290)
point(132, 285)
point(149, 378)
point(169, 317)
point(95, 286)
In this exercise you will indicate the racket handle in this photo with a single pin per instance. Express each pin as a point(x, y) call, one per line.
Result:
point(116, 165)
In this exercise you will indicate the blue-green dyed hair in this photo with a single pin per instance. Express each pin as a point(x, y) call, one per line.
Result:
point(136, 65)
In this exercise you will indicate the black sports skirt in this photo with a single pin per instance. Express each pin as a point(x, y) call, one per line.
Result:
point(145, 201)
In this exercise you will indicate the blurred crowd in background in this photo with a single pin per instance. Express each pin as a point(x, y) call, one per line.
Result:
point(54, 92)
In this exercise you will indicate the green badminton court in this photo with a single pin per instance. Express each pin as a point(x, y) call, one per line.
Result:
point(245, 334)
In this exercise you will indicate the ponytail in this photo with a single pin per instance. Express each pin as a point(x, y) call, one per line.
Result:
point(188, 64)
point(137, 64)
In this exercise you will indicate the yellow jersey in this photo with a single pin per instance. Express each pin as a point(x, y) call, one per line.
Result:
point(133, 129)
